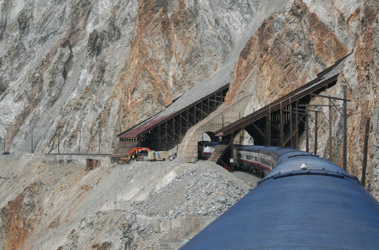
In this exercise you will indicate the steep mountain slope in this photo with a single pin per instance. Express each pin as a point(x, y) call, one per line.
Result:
point(292, 46)
point(76, 69)
point(78, 72)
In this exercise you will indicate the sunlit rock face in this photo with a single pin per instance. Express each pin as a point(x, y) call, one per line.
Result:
point(73, 70)
point(73, 74)
point(289, 48)
point(76, 73)
point(293, 45)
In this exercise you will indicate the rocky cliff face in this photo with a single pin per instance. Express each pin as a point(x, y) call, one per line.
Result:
point(292, 46)
point(78, 72)
point(75, 73)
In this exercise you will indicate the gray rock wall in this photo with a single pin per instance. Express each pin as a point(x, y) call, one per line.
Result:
point(293, 45)
point(74, 71)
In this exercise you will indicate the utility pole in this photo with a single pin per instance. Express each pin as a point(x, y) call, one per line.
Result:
point(32, 143)
point(306, 130)
point(240, 133)
point(268, 126)
point(281, 129)
point(330, 131)
point(315, 146)
point(291, 125)
point(365, 151)
point(80, 137)
point(344, 117)
point(31, 139)
point(99, 139)
point(297, 125)
point(344, 128)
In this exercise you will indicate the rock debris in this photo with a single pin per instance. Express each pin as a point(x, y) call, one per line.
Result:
point(142, 205)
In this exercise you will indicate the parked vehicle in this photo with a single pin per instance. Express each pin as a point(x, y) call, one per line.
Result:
point(158, 155)
point(145, 154)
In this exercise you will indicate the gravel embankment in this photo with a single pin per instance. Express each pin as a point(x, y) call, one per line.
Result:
point(143, 205)
point(204, 189)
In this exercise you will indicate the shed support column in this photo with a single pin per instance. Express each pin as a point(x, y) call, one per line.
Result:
point(159, 136)
point(291, 125)
point(173, 130)
point(166, 125)
point(268, 128)
point(297, 125)
point(187, 125)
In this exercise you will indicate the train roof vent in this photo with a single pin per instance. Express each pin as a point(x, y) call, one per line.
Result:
point(303, 167)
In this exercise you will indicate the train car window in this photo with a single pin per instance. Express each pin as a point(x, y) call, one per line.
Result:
point(265, 162)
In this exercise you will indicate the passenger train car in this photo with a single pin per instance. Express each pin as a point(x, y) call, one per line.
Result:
point(258, 159)
point(305, 202)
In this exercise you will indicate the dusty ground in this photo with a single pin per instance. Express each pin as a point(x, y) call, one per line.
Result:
point(50, 203)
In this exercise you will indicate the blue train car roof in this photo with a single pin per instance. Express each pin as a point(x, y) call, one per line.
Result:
point(292, 160)
point(297, 212)
point(211, 143)
point(275, 152)
point(297, 163)
point(306, 202)
point(265, 149)
point(253, 148)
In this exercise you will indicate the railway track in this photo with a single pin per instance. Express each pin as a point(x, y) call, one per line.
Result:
point(88, 154)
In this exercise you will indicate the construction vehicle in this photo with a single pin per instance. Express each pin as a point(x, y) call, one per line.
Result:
point(145, 153)
point(137, 153)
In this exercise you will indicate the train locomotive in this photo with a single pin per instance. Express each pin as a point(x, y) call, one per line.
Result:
point(206, 148)
point(304, 202)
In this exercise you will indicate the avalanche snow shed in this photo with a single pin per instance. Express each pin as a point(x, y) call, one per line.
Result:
point(166, 129)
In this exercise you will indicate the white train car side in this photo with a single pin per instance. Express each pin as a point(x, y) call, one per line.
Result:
point(255, 159)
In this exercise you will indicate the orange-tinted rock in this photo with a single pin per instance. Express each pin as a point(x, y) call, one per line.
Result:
point(19, 217)
point(327, 46)
point(272, 62)
point(365, 96)
point(144, 69)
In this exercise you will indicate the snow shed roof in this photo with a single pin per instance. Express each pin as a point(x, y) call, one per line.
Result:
point(191, 97)
point(323, 79)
